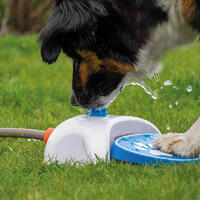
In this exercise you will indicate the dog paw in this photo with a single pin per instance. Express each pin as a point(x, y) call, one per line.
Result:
point(178, 144)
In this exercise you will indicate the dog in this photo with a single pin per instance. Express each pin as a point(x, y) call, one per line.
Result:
point(111, 41)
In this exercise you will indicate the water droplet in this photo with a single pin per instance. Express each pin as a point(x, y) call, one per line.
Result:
point(175, 87)
point(168, 127)
point(146, 88)
point(189, 88)
point(176, 103)
point(167, 83)
point(170, 106)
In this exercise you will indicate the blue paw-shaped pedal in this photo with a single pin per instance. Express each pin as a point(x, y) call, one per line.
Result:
point(139, 149)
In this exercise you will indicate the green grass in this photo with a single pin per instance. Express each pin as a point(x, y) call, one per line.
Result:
point(34, 95)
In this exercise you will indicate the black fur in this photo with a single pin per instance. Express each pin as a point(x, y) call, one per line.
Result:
point(110, 31)
point(114, 29)
point(196, 20)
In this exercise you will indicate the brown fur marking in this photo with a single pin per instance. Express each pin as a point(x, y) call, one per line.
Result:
point(188, 9)
point(91, 64)
point(113, 66)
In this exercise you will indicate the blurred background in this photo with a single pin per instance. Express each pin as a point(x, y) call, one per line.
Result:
point(23, 16)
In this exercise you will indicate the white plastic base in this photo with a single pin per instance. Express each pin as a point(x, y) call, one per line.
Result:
point(86, 139)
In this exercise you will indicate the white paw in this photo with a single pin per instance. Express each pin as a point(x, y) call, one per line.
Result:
point(178, 144)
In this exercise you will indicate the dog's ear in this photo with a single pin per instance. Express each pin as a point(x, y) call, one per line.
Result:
point(50, 51)
point(49, 37)
point(67, 17)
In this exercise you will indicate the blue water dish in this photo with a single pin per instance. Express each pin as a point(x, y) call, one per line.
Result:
point(139, 149)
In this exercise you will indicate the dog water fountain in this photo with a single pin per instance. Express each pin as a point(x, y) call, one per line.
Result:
point(98, 136)
point(87, 138)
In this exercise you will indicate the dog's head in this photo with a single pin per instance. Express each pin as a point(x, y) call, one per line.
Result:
point(96, 82)
point(75, 27)
point(103, 37)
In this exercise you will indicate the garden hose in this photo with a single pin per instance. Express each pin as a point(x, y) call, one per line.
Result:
point(26, 133)
point(41, 134)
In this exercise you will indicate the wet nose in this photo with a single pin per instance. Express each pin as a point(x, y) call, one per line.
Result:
point(74, 101)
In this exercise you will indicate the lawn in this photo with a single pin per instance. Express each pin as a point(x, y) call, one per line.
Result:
point(34, 95)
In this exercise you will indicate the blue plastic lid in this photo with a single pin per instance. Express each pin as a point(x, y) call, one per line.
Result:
point(97, 112)
point(139, 149)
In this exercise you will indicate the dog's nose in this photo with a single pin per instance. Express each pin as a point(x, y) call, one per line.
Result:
point(74, 101)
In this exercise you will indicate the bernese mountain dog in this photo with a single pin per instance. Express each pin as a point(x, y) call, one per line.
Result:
point(111, 41)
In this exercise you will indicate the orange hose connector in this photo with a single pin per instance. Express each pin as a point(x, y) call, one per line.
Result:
point(26, 133)
point(47, 134)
